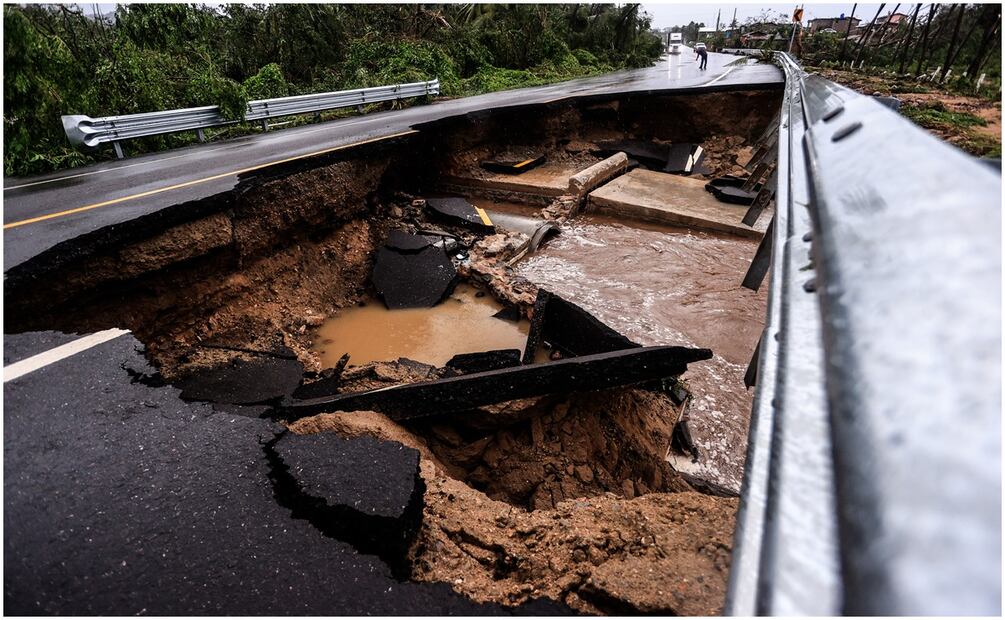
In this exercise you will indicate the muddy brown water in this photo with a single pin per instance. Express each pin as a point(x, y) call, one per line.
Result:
point(462, 323)
point(670, 286)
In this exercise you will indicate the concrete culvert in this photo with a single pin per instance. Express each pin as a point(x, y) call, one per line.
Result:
point(582, 497)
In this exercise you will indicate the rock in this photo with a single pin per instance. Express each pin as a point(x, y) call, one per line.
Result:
point(584, 473)
point(537, 432)
point(628, 489)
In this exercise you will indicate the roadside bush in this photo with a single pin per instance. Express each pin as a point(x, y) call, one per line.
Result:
point(268, 83)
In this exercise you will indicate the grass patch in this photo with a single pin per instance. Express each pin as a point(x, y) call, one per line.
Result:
point(935, 115)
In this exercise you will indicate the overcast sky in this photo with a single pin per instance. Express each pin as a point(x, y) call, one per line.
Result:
point(676, 14)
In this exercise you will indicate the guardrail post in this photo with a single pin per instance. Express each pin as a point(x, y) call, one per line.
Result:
point(359, 108)
point(265, 124)
point(200, 135)
point(118, 150)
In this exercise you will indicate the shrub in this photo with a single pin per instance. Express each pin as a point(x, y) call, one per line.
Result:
point(268, 83)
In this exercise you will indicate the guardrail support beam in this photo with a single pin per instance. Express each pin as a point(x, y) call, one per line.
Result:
point(118, 150)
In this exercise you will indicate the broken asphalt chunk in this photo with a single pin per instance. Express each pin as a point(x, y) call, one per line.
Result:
point(512, 165)
point(360, 490)
point(650, 154)
point(482, 361)
point(464, 393)
point(244, 382)
point(460, 212)
point(683, 158)
point(417, 280)
point(404, 241)
point(570, 329)
point(728, 189)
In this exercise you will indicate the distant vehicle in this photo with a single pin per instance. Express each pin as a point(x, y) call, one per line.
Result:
point(699, 46)
point(675, 42)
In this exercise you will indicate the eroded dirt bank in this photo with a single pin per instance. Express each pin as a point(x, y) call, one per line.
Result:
point(569, 497)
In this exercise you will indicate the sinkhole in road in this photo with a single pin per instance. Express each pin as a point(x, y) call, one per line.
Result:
point(560, 495)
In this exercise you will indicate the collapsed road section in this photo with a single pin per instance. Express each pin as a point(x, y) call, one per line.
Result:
point(524, 442)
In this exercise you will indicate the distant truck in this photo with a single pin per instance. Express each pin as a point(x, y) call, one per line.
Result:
point(675, 42)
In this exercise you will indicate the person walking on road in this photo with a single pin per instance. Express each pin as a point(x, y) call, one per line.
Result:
point(703, 54)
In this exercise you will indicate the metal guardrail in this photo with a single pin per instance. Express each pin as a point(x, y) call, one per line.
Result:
point(90, 132)
point(873, 476)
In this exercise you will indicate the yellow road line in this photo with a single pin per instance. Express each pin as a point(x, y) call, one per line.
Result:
point(159, 190)
point(523, 163)
point(485, 216)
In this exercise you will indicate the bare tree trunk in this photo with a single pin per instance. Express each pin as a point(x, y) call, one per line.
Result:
point(865, 37)
point(963, 41)
point(952, 41)
point(906, 43)
point(991, 50)
point(847, 31)
point(924, 38)
point(991, 23)
point(935, 36)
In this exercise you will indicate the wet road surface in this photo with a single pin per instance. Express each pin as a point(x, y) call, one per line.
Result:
point(142, 185)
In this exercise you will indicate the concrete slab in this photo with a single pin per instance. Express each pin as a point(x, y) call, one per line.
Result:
point(548, 180)
point(670, 199)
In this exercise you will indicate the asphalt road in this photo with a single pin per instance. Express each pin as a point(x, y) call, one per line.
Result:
point(82, 200)
point(121, 499)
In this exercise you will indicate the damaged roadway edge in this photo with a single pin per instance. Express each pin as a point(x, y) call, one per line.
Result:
point(589, 372)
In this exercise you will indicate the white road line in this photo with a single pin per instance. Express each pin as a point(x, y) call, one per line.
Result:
point(719, 78)
point(63, 351)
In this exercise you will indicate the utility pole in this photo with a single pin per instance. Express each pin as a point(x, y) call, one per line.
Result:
point(717, 16)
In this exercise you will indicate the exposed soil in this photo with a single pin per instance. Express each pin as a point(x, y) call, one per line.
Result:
point(976, 139)
point(568, 497)
point(662, 553)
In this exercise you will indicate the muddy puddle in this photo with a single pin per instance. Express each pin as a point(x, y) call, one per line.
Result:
point(662, 285)
point(462, 323)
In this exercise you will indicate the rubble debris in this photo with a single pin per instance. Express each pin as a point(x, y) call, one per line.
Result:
point(585, 180)
point(243, 382)
point(681, 440)
point(570, 329)
point(466, 363)
point(331, 379)
point(729, 188)
point(512, 165)
point(416, 280)
point(460, 212)
point(734, 195)
point(363, 491)
point(510, 312)
point(589, 372)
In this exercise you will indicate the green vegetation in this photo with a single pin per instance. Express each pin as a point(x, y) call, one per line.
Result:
point(935, 115)
point(146, 57)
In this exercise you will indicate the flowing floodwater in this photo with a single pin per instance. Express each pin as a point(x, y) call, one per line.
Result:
point(670, 286)
point(462, 323)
